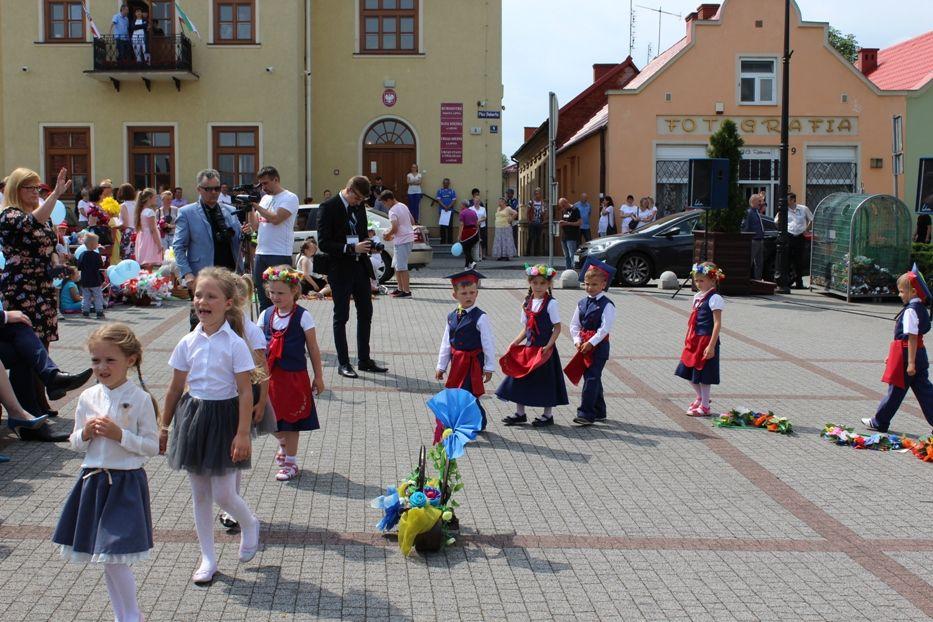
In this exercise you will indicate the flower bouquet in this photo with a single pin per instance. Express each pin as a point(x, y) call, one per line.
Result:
point(879, 441)
point(147, 288)
point(922, 447)
point(422, 506)
point(745, 418)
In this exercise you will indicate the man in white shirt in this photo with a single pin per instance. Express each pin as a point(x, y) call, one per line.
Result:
point(274, 218)
point(225, 195)
point(799, 221)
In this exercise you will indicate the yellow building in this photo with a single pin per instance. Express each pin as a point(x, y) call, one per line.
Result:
point(321, 89)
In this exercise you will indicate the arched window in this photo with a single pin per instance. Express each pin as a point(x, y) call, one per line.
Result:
point(389, 132)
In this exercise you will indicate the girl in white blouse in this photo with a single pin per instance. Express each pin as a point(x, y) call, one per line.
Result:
point(106, 518)
point(211, 436)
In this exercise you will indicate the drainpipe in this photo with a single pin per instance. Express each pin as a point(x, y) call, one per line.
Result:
point(308, 126)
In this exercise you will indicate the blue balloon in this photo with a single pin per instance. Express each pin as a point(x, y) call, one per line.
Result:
point(113, 273)
point(58, 213)
point(80, 251)
point(2, 261)
point(57, 283)
point(130, 268)
point(457, 249)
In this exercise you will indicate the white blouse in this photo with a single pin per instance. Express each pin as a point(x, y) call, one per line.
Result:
point(414, 183)
point(552, 311)
point(281, 323)
point(212, 362)
point(255, 338)
point(130, 408)
point(716, 302)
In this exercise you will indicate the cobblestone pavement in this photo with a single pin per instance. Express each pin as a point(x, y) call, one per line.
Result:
point(650, 515)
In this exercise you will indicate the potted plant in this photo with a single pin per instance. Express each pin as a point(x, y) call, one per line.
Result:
point(725, 244)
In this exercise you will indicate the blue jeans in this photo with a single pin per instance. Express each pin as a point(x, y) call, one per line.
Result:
point(414, 205)
point(89, 293)
point(260, 263)
point(570, 248)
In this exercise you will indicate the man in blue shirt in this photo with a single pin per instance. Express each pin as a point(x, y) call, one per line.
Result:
point(120, 29)
point(447, 197)
point(512, 202)
point(585, 208)
point(752, 224)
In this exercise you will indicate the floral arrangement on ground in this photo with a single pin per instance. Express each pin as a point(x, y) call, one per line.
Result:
point(423, 506)
point(746, 418)
point(922, 448)
point(156, 286)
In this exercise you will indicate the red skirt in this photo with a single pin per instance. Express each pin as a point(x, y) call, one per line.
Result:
point(694, 346)
point(290, 395)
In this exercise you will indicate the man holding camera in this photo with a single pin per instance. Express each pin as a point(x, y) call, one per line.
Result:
point(274, 218)
point(206, 233)
point(342, 235)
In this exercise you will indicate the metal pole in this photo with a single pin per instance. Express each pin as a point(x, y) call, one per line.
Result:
point(782, 257)
point(552, 172)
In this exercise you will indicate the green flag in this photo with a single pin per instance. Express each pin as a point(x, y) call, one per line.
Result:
point(185, 21)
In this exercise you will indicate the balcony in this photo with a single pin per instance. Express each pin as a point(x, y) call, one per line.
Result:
point(164, 59)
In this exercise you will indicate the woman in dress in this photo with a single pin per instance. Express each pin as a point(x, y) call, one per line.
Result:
point(647, 212)
point(503, 246)
point(126, 195)
point(148, 242)
point(167, 214)
point(414, 191)
point(28, 242)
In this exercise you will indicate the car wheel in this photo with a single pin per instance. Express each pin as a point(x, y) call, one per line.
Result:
point(634, 270)
point(387, 271)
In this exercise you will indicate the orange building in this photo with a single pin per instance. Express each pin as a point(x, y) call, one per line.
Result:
point(728, 66)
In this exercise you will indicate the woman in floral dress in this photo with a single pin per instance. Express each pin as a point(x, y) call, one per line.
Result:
point(28, 242)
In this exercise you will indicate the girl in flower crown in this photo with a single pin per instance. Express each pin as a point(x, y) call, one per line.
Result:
point(699, 362)
point(534, 376)
point(289, 330)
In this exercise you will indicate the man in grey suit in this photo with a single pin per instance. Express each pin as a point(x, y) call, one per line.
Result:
point(206, 233)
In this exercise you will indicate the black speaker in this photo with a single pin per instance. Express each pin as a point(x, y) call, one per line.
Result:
point(925, 186)
point(708, 183)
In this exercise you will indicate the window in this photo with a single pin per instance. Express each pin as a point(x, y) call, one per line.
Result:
point(163, 18)
point(152, 157)
point(236, 154)
point(757, 81)
point(389, 133)
point(388, 26)
point(671, 187)
point(64, 22)
point(234, 21)
point(70, 148)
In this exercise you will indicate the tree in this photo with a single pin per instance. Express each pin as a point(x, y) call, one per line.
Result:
point(846, 45)
point(727, 143)
point(505, 160)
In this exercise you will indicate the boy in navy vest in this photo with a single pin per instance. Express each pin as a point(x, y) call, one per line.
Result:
point(468, 346)
point(590, 328)
point(907, 365)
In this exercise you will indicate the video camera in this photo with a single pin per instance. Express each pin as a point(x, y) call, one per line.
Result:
point(243, 198)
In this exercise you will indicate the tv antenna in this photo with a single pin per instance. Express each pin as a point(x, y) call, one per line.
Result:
point(631, 28)
point(661, 12)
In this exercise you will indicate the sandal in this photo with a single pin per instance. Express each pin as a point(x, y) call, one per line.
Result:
point(287, 472)
point(542, 421)
point(699, 411)
point(693, 406)
point(515, 419)
point(280, 457)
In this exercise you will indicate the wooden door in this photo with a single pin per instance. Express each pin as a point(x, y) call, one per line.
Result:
point(389, 150)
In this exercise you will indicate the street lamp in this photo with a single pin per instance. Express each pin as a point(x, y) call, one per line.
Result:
point(782, 257)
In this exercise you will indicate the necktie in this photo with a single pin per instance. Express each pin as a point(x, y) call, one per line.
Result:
point(351, 220)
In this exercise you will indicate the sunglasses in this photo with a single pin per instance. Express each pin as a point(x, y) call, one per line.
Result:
point(210, 188)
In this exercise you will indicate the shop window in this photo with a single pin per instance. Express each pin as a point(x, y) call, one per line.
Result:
point(70, 148)
point(152, 157)
point(388, 26)
point(757, 80)
point(825, 178)
point(236, 154)
point(671, 185)
point(234, 21)
point(64, 22)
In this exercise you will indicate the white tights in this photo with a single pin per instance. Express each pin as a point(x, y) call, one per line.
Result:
point(702, 391)
point(222, 490)
point(121, 585)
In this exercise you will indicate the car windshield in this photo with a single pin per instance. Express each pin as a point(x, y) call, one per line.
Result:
point(660, 223)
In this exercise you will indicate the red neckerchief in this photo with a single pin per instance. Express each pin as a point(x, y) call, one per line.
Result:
point(277, 342)
point(531, 317)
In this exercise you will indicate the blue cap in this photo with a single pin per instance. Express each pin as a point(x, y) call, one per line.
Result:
point(595, 264)
point(470, 275)
point(919, 284)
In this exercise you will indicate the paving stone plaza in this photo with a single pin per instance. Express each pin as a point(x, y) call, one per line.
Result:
point(649, 515)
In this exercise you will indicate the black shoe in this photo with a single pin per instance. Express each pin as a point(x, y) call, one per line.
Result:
point(85, 314)
point(515, 419)
point(371, 366)
point(542, 422)
point(347, 371)
point(101, 316)
point(599, 417)
point(582, 421)
point(228, 523)
point(43, 433)
point(50, 413)
point(403, 295)
point(62, 382)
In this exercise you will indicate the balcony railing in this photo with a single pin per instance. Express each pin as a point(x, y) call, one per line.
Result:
point(112, 54)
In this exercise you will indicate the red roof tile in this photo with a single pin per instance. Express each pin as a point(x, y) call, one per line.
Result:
point(905, 66)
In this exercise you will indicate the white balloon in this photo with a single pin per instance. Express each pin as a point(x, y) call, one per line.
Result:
point(80, 251)
point(58, 213)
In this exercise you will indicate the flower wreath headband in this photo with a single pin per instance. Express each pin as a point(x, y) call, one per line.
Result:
point(711, 271)
point(540, 270)
point(285, 275)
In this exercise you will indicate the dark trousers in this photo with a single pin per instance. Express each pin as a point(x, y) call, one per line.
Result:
point(534, 239)
point(468, 250)
point(260, 263)
point(919, 383)
point(797, 258)
point(28, 349)
point(447, 234)
point(483, 239)
point(592, 403)
point(351, 278)
point(515, 237)
point(22, 379)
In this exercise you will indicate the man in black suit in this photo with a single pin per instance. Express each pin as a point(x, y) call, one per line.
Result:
point(342, 226)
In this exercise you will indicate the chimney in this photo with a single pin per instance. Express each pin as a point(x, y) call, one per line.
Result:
point(867, 60)
point(707, 11)
point(691, 17)
point(601, 69)
point(529, 132)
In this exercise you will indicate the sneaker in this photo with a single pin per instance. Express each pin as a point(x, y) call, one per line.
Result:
point(582, 421)
point(288, 472)
point(869, 423)
point(404, 295)
point(395, 292)
point(228, 522)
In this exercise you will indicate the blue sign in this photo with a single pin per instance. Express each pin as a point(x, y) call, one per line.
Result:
point(493, 129)
point(488, 114)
